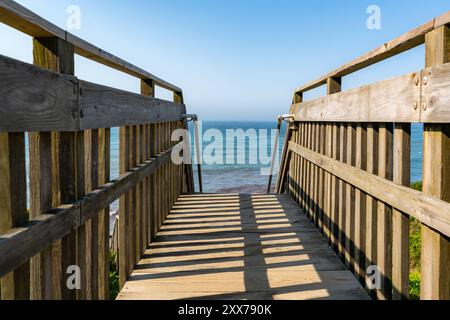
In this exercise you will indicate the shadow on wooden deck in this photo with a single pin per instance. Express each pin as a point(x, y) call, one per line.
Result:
point(240, 246)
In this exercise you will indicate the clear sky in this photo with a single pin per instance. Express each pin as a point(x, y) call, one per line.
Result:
point(234, 59)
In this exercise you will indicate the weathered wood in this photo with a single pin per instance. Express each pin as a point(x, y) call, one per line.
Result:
point(104, 139)
point(427, 209)
point(390, 100)
point(13, 210)
point(435, 254)
point(57, 55)
point(384, 213)
point(435, 87)
point(34, 99)
point(400, 221)
point(350, 200)
point(267, 259)
point(371, 203)
point(36, 235)
point(92, 225)
point(40, 201)
point(103, 107)
point(360, 205)
point(41, 100)
point(342, 192)
point(335, 189)
point(124, 211)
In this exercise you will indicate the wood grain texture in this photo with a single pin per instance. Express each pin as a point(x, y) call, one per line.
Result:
point(400, 221)
point(384, 213)
point(13, 209)
point(35, 99)
point(427, 209)
point(264, 248)
point(385, 101)
point(104, 107)
point(435, 254)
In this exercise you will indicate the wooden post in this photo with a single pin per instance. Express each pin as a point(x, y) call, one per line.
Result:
point(400, 221)
point(13, 209)
point(435, 282)
point(58, 55)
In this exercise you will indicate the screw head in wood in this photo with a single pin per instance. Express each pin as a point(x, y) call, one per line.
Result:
point(425, 105)
point(425, 80)
point(416, 81)
point(416, 105)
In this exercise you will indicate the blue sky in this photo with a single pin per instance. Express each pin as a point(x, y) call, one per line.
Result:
point(234, 59)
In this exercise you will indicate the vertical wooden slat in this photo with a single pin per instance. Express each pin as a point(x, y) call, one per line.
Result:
point(58, 55)
point(350, 199)
point(139, 197)
point(104, 145)
point(13, 209)
point(147, 89)
point(133, 200)
point(302, 165)
point(328, 187)
point(315, 183)
point(124, 211)
point(40, 146)
point(371, 203)
point(384, 213)
point(342, 191)
point(83, 233)
point(334, 85)
point(400, 221)
point(435, 265)
point(335, 189)
point(153, 186)
point(321, 179)
point(92, 226)
point(360, 205)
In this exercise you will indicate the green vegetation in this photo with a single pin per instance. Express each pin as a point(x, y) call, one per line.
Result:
point(415, 244)
point(113, 276)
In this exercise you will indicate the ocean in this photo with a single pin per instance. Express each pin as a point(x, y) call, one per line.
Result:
point(222, 174)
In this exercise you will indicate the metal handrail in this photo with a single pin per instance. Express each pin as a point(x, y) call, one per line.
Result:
point(288, 118)
point(194, 118)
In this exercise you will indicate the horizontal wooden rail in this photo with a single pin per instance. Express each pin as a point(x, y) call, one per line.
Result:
point(415, 97)
point(22, 19)
point(39, 233)
point(35, 99)
point(431, 211)
point(401, 44)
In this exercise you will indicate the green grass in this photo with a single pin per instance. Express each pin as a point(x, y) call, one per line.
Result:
point(415, 245)
point(113, 277)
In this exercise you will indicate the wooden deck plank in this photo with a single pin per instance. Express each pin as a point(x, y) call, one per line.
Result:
point(239, 247)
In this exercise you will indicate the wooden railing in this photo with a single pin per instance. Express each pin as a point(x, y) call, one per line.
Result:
point(347, 163)
point(68, 122)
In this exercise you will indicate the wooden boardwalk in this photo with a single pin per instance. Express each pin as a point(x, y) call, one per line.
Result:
point(240, 246)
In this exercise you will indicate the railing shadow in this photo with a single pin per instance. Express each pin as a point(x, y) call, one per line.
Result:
point(273, 237)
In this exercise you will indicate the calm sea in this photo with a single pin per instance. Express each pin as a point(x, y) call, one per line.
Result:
point(246, 177)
